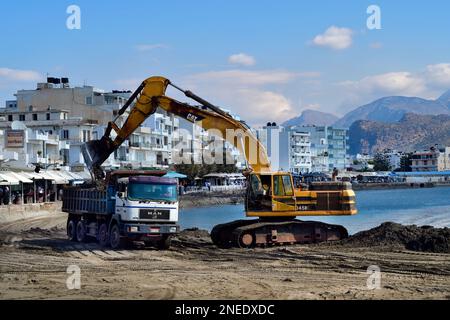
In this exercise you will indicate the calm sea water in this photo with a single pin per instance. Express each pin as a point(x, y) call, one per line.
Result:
point(429, 206)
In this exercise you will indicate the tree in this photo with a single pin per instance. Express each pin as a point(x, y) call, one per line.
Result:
point(405, 163)
point(381, 162)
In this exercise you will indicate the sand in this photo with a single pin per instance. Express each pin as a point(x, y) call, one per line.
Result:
point(34, 257)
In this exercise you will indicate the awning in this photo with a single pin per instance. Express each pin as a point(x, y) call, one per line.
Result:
point(32, 175)
point(85, 176)
point(56, 178)
point(66, 175)
point(21, 177)
point(6, 179)
point(173, 174)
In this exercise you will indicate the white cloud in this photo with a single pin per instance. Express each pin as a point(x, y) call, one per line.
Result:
point(397, 83)
point(242, 59)
point(19, 75)
point(438, 75)
point(428, 83)
point(335, 38)
point(259, 106)
point(250, 78)
point(150, 47)
point(249, 94)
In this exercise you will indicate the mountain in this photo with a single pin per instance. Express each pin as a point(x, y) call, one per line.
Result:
point(445, 99)
point(312, 117)
point(392, 109)
point(412, 132)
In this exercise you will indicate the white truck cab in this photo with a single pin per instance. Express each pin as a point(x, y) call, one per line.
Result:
point(134, 206)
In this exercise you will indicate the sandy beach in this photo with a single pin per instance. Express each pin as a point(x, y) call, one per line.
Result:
point(34, 257)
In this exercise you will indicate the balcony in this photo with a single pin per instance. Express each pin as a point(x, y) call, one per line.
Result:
point(38, 159)
point(37, 136)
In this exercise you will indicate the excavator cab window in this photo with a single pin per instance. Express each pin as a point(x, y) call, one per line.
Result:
point(259, 196)
point(282, 185)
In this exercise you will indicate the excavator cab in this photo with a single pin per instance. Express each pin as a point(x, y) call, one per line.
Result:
point(270, 192)
point(274, 195)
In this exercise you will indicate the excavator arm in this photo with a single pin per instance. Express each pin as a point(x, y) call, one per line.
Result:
point(149, 96)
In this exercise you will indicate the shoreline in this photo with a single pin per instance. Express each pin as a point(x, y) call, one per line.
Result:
point(217, 198)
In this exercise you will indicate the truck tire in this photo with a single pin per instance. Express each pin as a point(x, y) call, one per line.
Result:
point(81, 231)
point(103, 236)
point(72, 230)
point(115, 239)
point(164, 243)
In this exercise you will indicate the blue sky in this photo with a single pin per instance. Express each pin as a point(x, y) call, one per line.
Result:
point(264, 60)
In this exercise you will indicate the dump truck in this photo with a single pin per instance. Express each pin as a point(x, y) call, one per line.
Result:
point(127, 206)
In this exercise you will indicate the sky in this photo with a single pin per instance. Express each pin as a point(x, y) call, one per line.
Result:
point(262, 60)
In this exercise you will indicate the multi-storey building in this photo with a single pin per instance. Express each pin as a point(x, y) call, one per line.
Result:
point(434, 159)
point(55, 120)
point(329, 147)
point(288, 149)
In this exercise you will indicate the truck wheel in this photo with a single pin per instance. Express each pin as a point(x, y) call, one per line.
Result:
point(102, 236)
point(164, 243)
point(115, 240)
point(81, 231)
point(72, 230)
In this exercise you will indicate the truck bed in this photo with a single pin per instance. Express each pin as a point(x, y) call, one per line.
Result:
point(85, 200)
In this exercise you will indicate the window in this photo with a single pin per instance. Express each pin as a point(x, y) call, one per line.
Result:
point(89, 100)
point(65, 134)
point(86, 135)
point(21, 117)
point(10, 117)
point(282, 186)
point(48, 116)
point(35, 117)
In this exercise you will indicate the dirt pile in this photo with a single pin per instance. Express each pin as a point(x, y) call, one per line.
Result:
point(426, 238)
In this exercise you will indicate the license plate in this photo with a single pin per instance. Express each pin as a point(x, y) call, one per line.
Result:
point(154, 214)
point(154, 230)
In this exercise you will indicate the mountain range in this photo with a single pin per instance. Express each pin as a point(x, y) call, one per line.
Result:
point(392, 109)
point(401, 123)
point(312, 117)
point(387, 110)
point(412, 132)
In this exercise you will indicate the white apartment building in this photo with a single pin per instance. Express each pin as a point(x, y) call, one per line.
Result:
point(57, 119)
point(288, 149)
point(394, 157)
point(305, 149)
point(329, 147)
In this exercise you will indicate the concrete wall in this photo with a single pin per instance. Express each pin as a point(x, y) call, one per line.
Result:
point(26, 211)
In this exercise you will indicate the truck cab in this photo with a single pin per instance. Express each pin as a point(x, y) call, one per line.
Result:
point(146, 206)
point(128, 206)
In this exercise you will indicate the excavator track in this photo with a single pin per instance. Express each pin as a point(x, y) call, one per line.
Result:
point(254, 233)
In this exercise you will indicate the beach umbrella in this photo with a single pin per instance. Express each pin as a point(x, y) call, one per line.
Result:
point(173, 174)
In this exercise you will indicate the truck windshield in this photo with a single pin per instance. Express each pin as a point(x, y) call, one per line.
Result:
point(155, 192)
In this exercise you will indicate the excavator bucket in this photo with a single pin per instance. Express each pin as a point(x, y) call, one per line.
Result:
point(95, 152)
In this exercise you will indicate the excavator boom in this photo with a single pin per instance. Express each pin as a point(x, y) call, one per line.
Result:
point(149, 96)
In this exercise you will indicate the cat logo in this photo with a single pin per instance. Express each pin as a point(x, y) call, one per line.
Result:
point(191, 117)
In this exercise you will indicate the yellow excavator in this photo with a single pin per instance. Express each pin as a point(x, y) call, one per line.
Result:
point(271, 197)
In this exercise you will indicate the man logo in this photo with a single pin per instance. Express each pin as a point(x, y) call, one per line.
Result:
point(73, 22)
point(73, 282)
